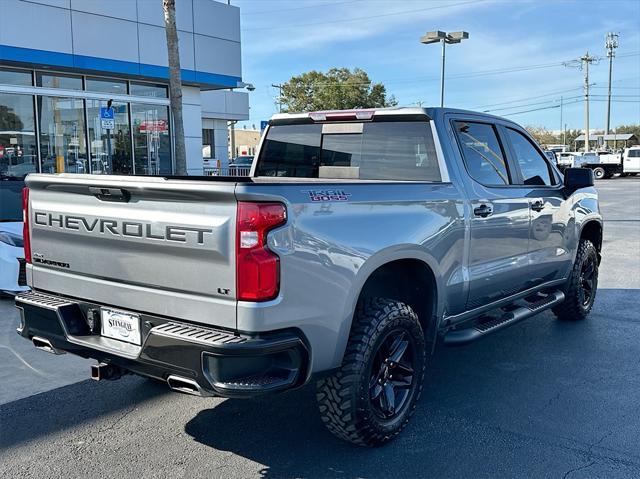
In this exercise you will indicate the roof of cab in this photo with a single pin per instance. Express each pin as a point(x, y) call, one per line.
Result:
point(427, 113)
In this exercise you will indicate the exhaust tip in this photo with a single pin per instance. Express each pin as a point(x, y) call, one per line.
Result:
point(184, 385)
point(44, 344)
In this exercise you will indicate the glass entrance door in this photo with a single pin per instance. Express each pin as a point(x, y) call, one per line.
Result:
point(110, 149)
point(151, 139)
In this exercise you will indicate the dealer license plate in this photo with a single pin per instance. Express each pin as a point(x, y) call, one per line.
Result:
point(120, 325)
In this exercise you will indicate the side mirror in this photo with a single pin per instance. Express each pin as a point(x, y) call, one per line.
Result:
point(576, 178)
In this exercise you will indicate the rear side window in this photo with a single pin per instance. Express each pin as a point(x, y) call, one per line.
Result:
point(634, 154)
point(534, 168)
point(401, 151)
point(482, 153)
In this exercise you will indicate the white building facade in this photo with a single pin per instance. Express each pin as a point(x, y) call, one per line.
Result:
point(84, 85)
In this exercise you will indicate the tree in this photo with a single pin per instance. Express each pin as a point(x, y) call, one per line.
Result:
point(175, 84)
point(633, 129)
point(337, 89)
point(542, 135)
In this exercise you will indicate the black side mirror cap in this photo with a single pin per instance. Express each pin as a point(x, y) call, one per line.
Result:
point(576, 178)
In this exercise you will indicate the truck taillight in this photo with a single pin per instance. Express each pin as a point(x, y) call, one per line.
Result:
point(25, 225)
point(257, 268)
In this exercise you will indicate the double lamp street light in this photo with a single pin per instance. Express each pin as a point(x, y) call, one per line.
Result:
point(438, 36)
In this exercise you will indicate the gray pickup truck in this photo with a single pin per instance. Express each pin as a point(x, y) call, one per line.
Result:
point(360, 240)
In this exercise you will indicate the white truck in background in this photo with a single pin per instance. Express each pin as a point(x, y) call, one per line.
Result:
point(605, 165)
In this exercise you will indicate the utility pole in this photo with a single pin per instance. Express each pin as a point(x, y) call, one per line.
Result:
point(586, 61)
point(561, 108)
point(611, 43)
point(583, 63)
point(279, 87)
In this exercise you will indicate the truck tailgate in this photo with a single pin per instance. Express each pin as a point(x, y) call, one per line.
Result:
point(156, 245)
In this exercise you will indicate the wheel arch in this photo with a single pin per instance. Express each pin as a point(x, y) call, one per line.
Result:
point(592, 230)
point(403, 276)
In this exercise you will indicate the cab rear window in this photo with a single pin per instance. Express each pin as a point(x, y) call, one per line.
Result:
point(401, 151)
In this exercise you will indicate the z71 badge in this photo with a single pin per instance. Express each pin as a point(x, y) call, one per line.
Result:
point(327, 195)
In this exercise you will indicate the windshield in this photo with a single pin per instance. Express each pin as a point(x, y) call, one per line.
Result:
point(11, 199)
point(398, 150)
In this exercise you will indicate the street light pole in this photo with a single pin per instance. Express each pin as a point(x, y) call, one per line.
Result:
point(438, 36)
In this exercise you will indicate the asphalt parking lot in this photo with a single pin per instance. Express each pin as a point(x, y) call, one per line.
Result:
point(541, 399)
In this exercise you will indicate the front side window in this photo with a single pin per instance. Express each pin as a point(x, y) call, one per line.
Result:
point(63, 144)
point(482, 153)
point(18, 150)
point(400, 151)
point(534, 168)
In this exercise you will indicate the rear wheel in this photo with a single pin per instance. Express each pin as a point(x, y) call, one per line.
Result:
point(582, 286)
point(370, 399)
point(599, 173)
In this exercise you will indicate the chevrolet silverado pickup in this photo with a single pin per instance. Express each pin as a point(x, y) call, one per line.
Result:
point(360, 240)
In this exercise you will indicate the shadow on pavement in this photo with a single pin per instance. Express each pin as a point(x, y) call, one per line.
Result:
point(68, 407)
point(544, 389)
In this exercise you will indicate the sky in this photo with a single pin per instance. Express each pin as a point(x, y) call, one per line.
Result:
point(512, 62)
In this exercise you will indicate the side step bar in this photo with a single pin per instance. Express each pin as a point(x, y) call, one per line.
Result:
point(460, 337)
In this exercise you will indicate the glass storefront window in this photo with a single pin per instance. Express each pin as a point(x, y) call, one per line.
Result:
point(10, 76)
point(56, 80)
point(63, 145)
point(151, 139)
point(106, 85)
point(110, 149)
point(208, 144)
point(18, 150)
point(148, 89)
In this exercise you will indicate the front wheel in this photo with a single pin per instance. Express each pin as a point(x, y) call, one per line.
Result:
point(599, 173)
point(370, 399)
point(581, 289)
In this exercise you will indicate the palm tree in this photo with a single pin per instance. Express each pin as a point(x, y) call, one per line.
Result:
point(175, 84)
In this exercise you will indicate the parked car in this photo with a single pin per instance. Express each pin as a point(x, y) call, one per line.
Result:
point(12, 264)
point(362, 239)
point(240, 166)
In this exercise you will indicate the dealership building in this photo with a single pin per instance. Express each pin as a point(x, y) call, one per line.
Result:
point(84, 85)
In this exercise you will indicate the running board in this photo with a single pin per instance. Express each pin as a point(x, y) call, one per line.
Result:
point(460, 337)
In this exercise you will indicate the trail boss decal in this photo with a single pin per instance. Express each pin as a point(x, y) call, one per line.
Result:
point(318, 196)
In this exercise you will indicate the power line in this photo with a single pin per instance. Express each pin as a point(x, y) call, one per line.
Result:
point(554, 92)
point(530, 104)
point(382, 15)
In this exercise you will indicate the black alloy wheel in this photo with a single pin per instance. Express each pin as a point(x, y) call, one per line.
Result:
point(392, 375)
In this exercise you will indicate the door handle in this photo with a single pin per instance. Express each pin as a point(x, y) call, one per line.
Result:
point(537, 205)
point(483, 210)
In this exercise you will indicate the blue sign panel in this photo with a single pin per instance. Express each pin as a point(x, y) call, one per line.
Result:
point(106, 113)
point(263, 125)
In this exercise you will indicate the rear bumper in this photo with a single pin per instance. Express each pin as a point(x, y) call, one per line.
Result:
point(221, 363)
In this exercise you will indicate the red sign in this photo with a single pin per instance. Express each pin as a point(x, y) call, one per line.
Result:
point(154, 126)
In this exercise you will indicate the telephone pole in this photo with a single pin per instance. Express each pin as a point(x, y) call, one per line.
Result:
point(561, 108)
point(583, 63)
point(279, 87)
point(610, 43)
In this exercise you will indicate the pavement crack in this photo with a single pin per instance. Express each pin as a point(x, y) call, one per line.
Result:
point(576, 469)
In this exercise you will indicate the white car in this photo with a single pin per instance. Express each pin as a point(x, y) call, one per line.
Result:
point(12, 271)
